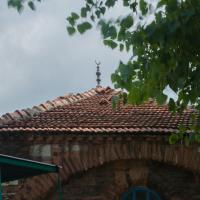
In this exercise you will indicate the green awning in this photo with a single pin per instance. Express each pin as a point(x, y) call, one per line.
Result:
point(13, 168)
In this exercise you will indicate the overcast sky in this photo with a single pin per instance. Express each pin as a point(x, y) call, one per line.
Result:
point(39, 61)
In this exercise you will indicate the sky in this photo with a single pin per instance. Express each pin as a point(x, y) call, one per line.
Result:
point(40, 61)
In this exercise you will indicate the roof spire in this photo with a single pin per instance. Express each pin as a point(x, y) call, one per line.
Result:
point(98, 73)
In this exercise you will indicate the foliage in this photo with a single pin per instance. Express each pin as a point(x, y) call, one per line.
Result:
point(163, 38)
point(19, 4)
point(165, 50)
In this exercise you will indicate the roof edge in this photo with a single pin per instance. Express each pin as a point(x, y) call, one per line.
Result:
point(28, 113)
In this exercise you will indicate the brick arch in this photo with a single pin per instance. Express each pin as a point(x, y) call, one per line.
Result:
point(79, 156)
point(109, 181)
point(119, 176)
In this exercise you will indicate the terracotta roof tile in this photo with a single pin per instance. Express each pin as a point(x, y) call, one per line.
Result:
point(92, 112)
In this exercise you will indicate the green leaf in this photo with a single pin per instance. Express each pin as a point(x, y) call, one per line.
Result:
point(92, 17)
point(197, 138)
point(143, 7)
point(173, 138)
point(125, 98)
point(127, 22)
point(83, 27)
point(114, 100)
point(112, 32)
point(126, 3)
point(127, 44)
point(161, 98)
point(16, 4)
point(31, 5)
point(161, 3)
point(98, 13)
point(121, 46)
point(90, 2)
point(71, 30)
point(110, 43)
point(71, 21)
point(110, 3)
point(121, 35)
point(172, 104)
point(107, 30)
point(83, 12)
point(173, 27)
point(103, 10)
point(133, 6)
point(75, 16)
point(182, 128)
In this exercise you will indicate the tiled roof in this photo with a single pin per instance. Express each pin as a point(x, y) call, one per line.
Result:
point(92, 112)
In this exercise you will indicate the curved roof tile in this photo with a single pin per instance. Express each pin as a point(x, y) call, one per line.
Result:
point(92, 112)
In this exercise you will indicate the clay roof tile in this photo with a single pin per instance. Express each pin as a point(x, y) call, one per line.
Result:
point(92, 112)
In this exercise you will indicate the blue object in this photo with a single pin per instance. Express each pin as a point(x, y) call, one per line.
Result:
point(140, 193)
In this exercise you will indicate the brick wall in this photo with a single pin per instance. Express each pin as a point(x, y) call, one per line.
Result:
point(174, 183)
point(110, 181)
point(83, 158)
point(15, 145)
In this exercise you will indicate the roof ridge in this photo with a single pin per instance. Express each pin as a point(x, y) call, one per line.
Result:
point(9, 118)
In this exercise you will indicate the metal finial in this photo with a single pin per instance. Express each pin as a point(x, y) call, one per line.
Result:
point(98, 73)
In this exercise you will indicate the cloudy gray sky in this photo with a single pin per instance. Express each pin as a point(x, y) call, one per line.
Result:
point(39, 61)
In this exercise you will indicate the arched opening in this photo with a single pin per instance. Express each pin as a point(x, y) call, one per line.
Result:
point(112, 180)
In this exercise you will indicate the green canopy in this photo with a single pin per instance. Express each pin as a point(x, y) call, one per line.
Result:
point(13, 168)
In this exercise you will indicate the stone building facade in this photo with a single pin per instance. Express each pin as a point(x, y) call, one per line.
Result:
point(103, 151)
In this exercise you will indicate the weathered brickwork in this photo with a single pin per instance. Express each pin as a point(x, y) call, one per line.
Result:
point(15, 145)
point(91, 156)
point(174, 183)
point(110, 181)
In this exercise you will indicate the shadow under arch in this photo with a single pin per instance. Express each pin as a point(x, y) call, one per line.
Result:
point(111, 180)
point(140, 193)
